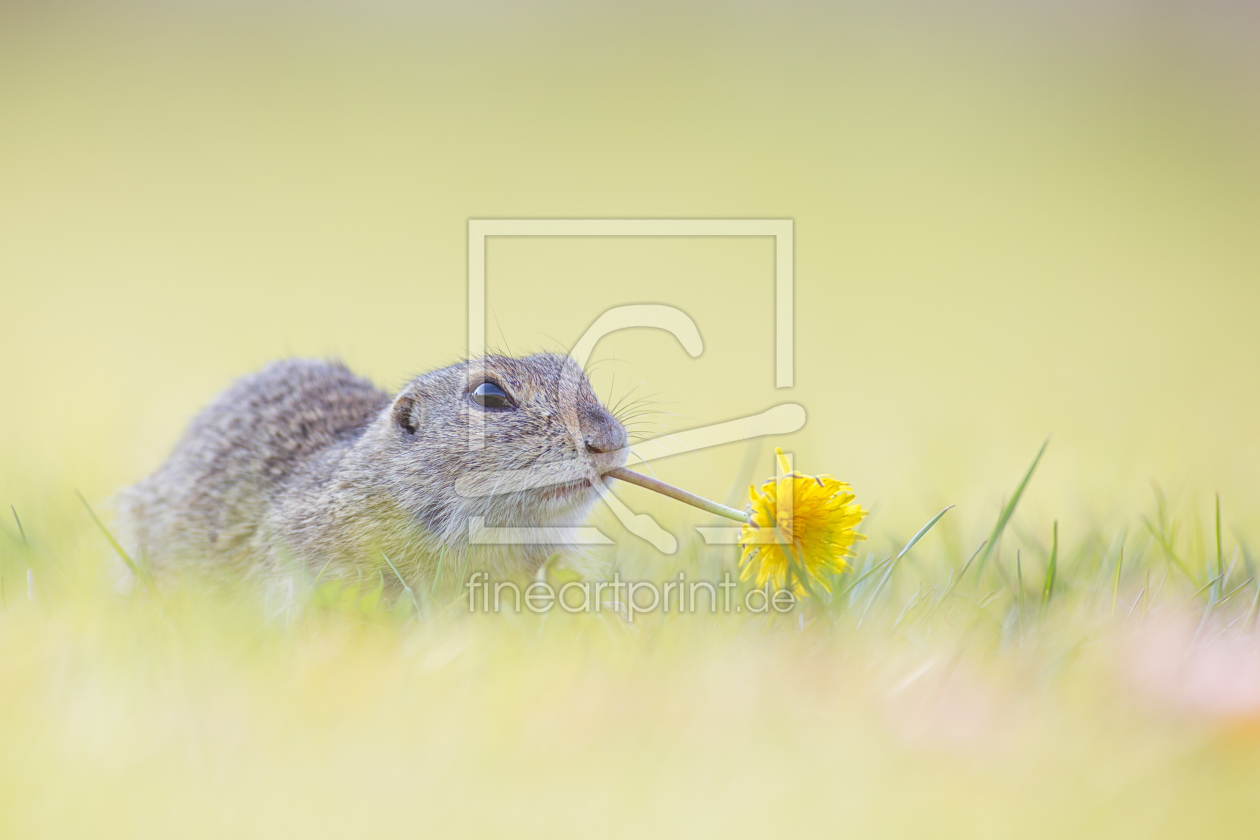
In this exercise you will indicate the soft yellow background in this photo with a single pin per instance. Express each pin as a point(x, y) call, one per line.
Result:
point(1008, 225)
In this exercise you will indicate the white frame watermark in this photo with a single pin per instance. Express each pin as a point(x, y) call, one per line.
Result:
point(781, 419)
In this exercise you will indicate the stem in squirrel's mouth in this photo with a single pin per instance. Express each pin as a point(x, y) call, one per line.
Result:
point(677, 493)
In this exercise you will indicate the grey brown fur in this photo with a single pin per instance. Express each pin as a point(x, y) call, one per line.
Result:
point(304, 465)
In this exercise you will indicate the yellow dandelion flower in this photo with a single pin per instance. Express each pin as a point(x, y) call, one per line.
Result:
point(800, 527)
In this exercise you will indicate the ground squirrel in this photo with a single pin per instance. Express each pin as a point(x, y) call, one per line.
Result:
point(304, 465)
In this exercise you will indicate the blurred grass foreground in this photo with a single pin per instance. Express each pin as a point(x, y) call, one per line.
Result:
point(1009, 222)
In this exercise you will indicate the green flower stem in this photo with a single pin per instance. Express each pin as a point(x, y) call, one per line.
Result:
point(677, 493)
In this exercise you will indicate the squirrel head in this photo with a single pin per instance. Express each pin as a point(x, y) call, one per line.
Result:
point(515, 441)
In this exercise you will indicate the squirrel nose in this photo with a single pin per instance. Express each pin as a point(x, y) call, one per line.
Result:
point(607, 436)
point(600, 444)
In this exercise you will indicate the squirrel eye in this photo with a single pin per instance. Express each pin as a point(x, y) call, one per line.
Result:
point(489, 395)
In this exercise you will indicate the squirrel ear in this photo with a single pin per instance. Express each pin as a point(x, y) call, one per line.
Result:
point(406, 413)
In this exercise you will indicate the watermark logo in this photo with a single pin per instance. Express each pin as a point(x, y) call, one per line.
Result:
point(782, 419)
point(627, 598)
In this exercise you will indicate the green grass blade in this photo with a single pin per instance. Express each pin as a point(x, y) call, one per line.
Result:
point(437, 575)
point(970, 560)
point(322, 569)
point(406, 588)
point(872, 570)
point(1140, 598)
point(1168, 549)
point(1201, 590)
point(1019, 583)
point(1047, 591)
point(1115, 586)
point(914, 599)
point(796, 567)
point(1007, 512)
point(952, 582)
point(1231, 593)
point(922, 531)
point(141, 573)
point(1220, 561)
point(879, 587)
point(21, 530)
point(1250, 623)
